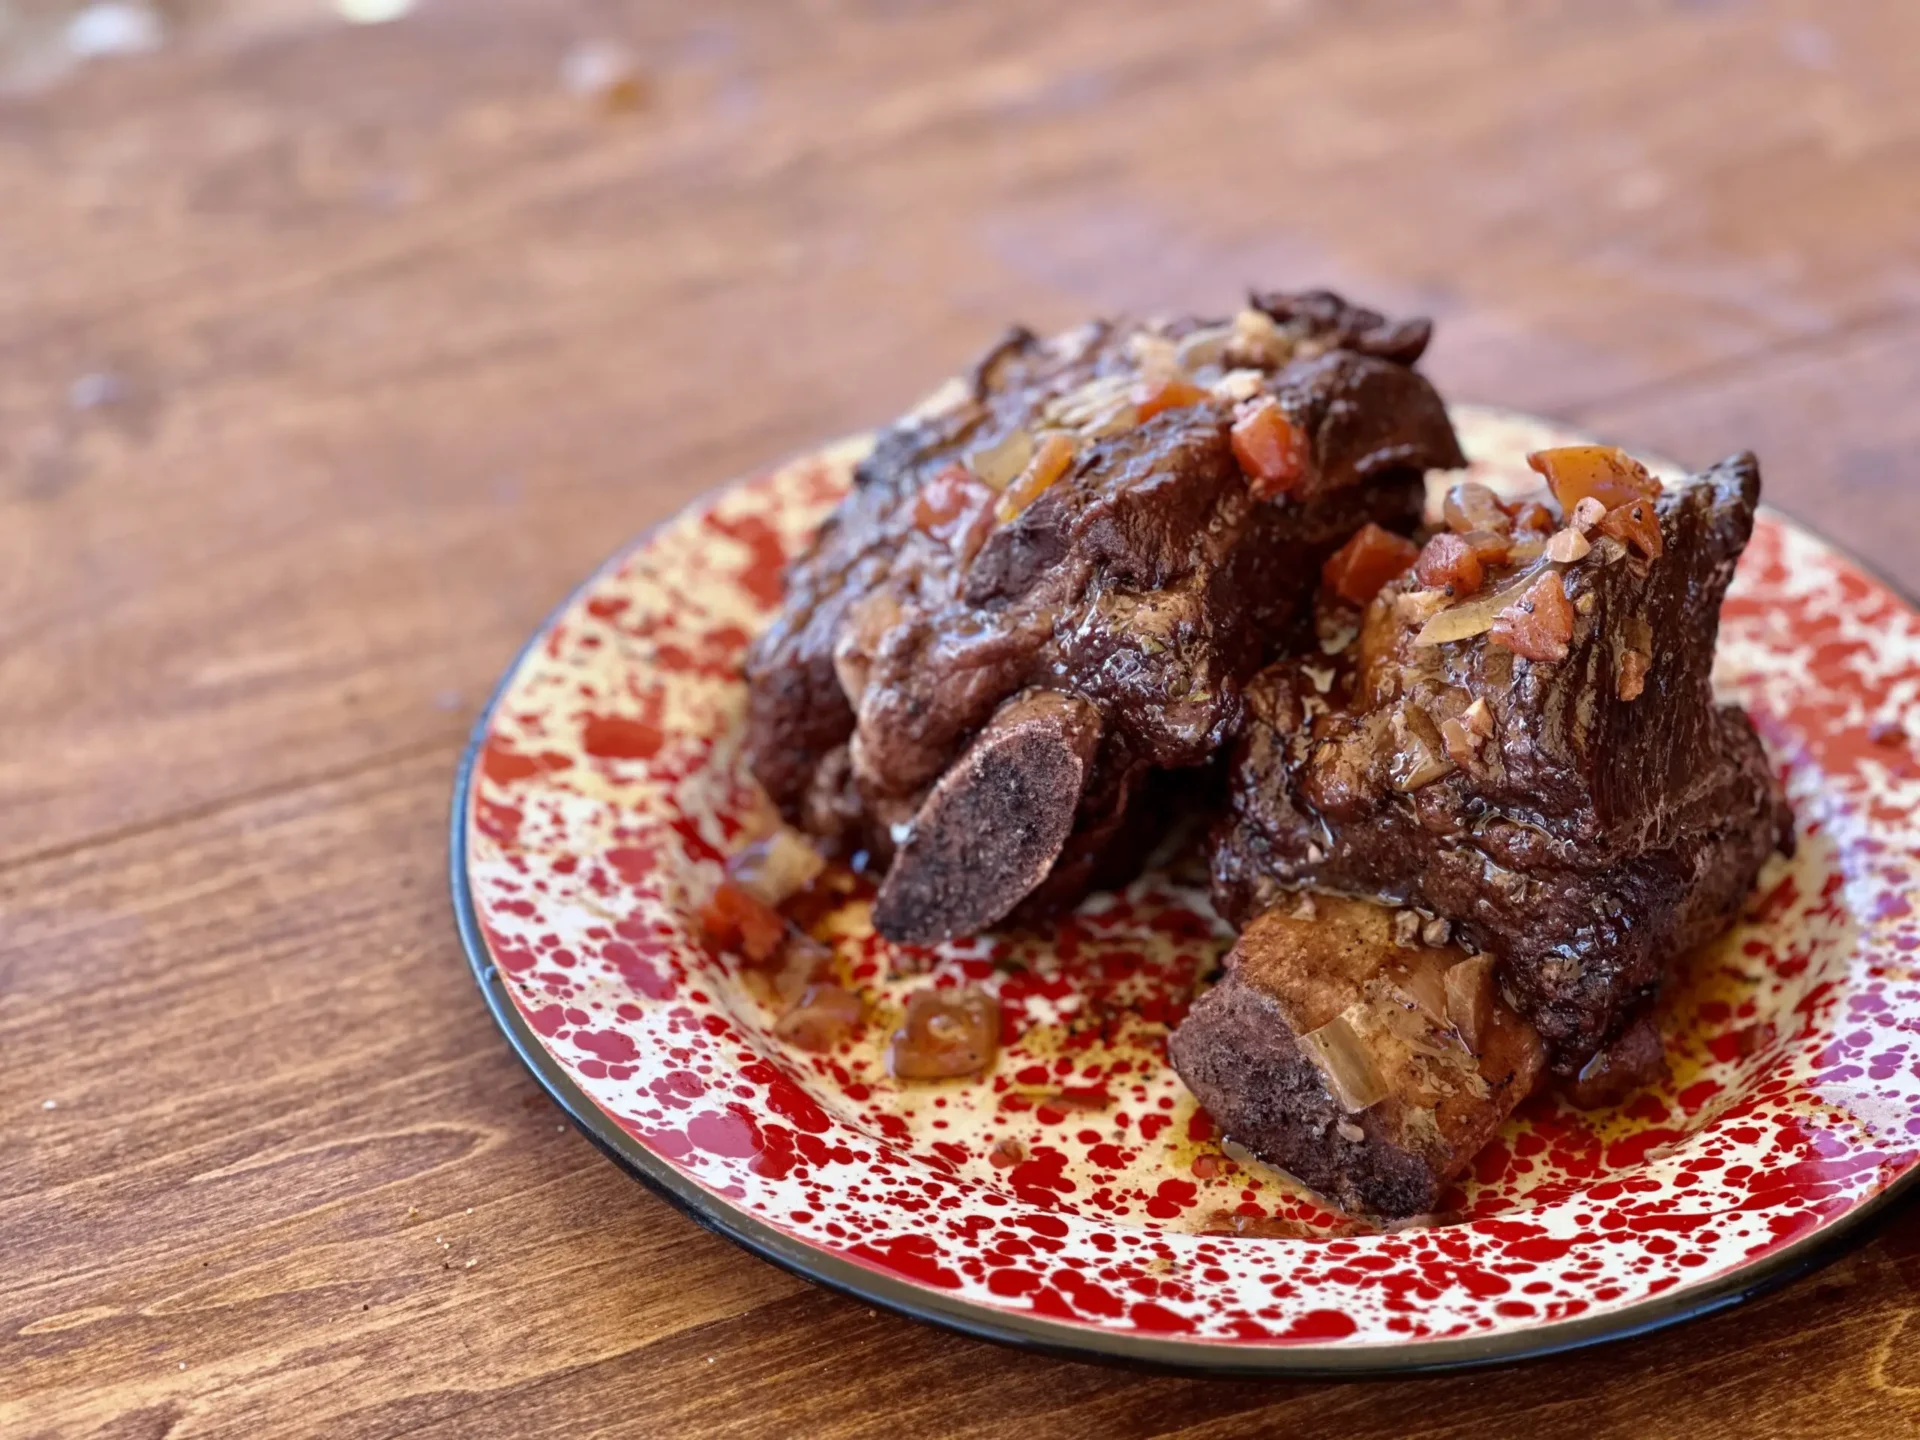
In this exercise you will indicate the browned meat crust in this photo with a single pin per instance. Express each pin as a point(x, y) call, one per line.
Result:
point(1149, 580)
point(1430, 1096)
point(1605, 824)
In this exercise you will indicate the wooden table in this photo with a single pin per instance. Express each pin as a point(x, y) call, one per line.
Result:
point(331, 357)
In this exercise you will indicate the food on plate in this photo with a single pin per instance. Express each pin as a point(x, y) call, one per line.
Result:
point(1480, 796)
point(790, 970)
point(821, 1017)
point(1523, 740)
point(1632, 1060)
point(946, 1034)
point(1051, 581)
point(1344, 1047)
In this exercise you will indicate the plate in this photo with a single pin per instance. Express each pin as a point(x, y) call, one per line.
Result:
point(1076, 1200)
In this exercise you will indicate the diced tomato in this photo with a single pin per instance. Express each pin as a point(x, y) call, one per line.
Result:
point(1356, 571)
point(1050, 461)
point(1165, 392)
point(1449, 563)
point(1610, 475)
point(1539, 625)
point(1636, 523)
point(1270, 448)
point(947, 501)
point(735, 920)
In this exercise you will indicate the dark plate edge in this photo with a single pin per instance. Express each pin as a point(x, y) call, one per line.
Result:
point(1090, 1343)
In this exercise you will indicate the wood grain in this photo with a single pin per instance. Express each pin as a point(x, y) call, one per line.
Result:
point(382, 339)
point(395, 289)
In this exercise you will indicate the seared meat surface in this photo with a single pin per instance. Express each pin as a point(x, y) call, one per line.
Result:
point(1345, 1049)
point(1052, 580)
point(1523, 739)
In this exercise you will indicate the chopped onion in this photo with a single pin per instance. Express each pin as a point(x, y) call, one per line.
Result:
point(1257, 340)
point(1419, 606)
point(1568, 545)
point(1153, 353)
point(1526, 549)
point(1471, 506)
point(1116, 419)
point(777, 868)
point(999, 463)
point(1420, 757)
point(1418, 768)
point(1470, 999)
point(824, 1015)
point(1420, 981)
point(800, 962)
point(1345, 1064)
point(1204, 347)
point(1089, 403)
point(1473, 617)
point(1237, 385)
point(1461, 743)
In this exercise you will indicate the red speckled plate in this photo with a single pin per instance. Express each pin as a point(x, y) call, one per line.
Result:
point(605, 784)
